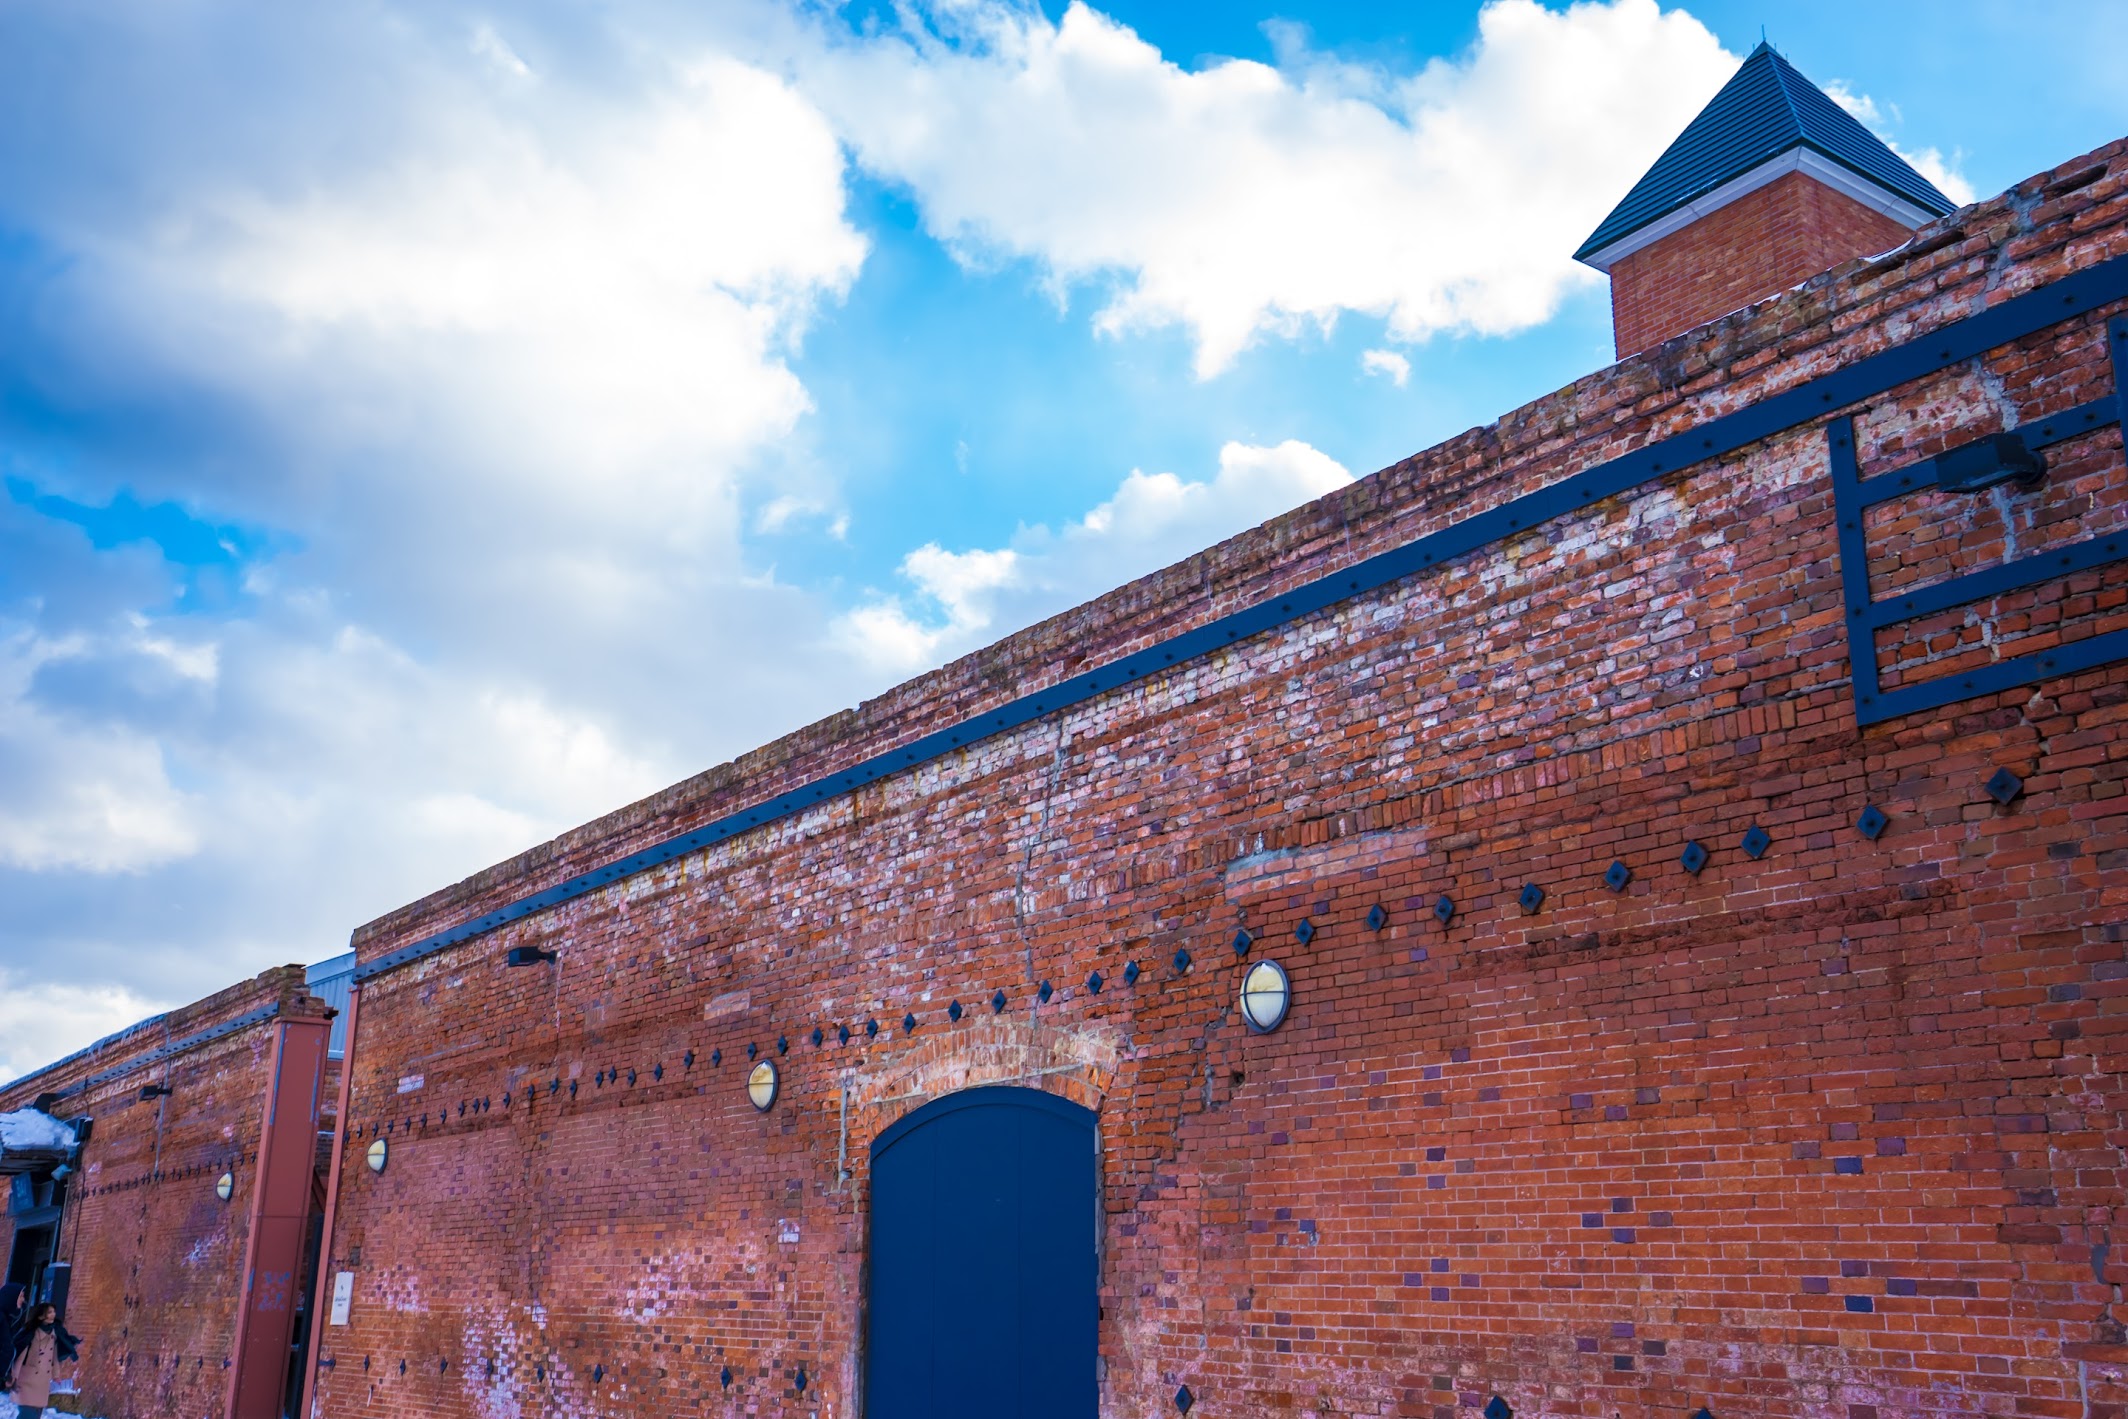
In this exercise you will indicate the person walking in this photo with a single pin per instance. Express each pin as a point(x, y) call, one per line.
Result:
point(41, 1347)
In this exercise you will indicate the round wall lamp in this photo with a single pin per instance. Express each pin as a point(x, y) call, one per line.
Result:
point(377, 1154)
point(1265, 996)
point(761, 1085)
point(224, 1185)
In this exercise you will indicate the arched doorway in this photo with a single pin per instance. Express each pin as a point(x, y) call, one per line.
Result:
point(983, 1277)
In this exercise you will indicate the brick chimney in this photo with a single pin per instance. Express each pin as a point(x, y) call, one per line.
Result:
point(1771, 184)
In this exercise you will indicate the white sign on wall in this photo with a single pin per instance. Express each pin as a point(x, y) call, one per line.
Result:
point(343, 1296)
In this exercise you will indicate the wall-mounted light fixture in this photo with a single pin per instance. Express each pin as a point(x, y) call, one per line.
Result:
point(528, 956)
point(151, 1092)
point(1265, 996)
point(225, 1185)
point(1999, 458)
point(762, 1082)
point(378, 1153)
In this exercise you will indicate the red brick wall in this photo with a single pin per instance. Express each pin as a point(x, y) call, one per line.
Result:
point(1758, 246)
point(1836, 1131)
point(156, 1254)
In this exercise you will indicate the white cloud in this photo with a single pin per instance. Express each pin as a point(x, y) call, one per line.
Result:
point(601, 310)
point(496, 50)
point(86, 800)
point(498, 362)
point(1929, 162)
point(81, 795)
point(789, 511)
point(1238, 199)
point(41, 1021)
point(1387, 362)
point(962, 599)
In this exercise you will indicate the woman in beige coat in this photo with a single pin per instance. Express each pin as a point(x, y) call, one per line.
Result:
point(40, 1349)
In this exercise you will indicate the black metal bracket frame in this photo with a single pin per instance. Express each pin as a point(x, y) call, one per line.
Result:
point(2079, 293)
point(1853, 497)
point(175, 1047)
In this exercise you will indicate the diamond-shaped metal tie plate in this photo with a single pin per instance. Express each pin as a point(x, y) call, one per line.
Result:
point(1305, 932)
point(871, 1028)
point(1130, 972)
point(953, 1012)
point(631, 1078)
point(1703, 1412)
point(598, 1372)
point(997, 1002)
point(1044, 991)
point(1182, 961)
point(724, 1377)
point(688, 1059)
point(1498, 1408)
point(1756, 841)
point(1617, 875)
point(1184, 1399)
point(1872, 822)
point(799, 1379)
point(908, 1024)
point(1242, 942)
point(783, 1044)
point(1693, 858)
point(657, 1071)
point(2004, 787)
point(1444, 909)
point(1530, 897)
point(819, 1037)
point(752, 1049)
point(716, 1056)
point(1376, 917)
point(842, 1034)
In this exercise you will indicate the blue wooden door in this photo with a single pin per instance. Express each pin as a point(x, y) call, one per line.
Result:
point(982, 1298)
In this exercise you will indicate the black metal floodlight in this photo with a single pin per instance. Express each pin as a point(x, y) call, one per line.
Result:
point(151, 1092)
point(527, 956)
point(1984, 463)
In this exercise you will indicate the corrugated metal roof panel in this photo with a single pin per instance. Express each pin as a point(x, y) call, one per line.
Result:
point(329, 981)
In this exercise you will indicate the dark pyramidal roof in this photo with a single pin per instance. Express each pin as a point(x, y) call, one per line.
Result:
point(1764, 110)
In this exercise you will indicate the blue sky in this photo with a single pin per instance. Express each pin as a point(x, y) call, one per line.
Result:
point(424, 428)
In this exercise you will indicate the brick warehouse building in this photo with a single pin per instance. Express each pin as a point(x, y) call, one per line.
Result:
point(1686, 819)
point(197, 1168)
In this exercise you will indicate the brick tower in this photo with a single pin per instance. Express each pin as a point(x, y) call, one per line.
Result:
point(1772, 183)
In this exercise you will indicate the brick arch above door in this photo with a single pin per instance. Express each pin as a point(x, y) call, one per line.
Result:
point(1078, 1064)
